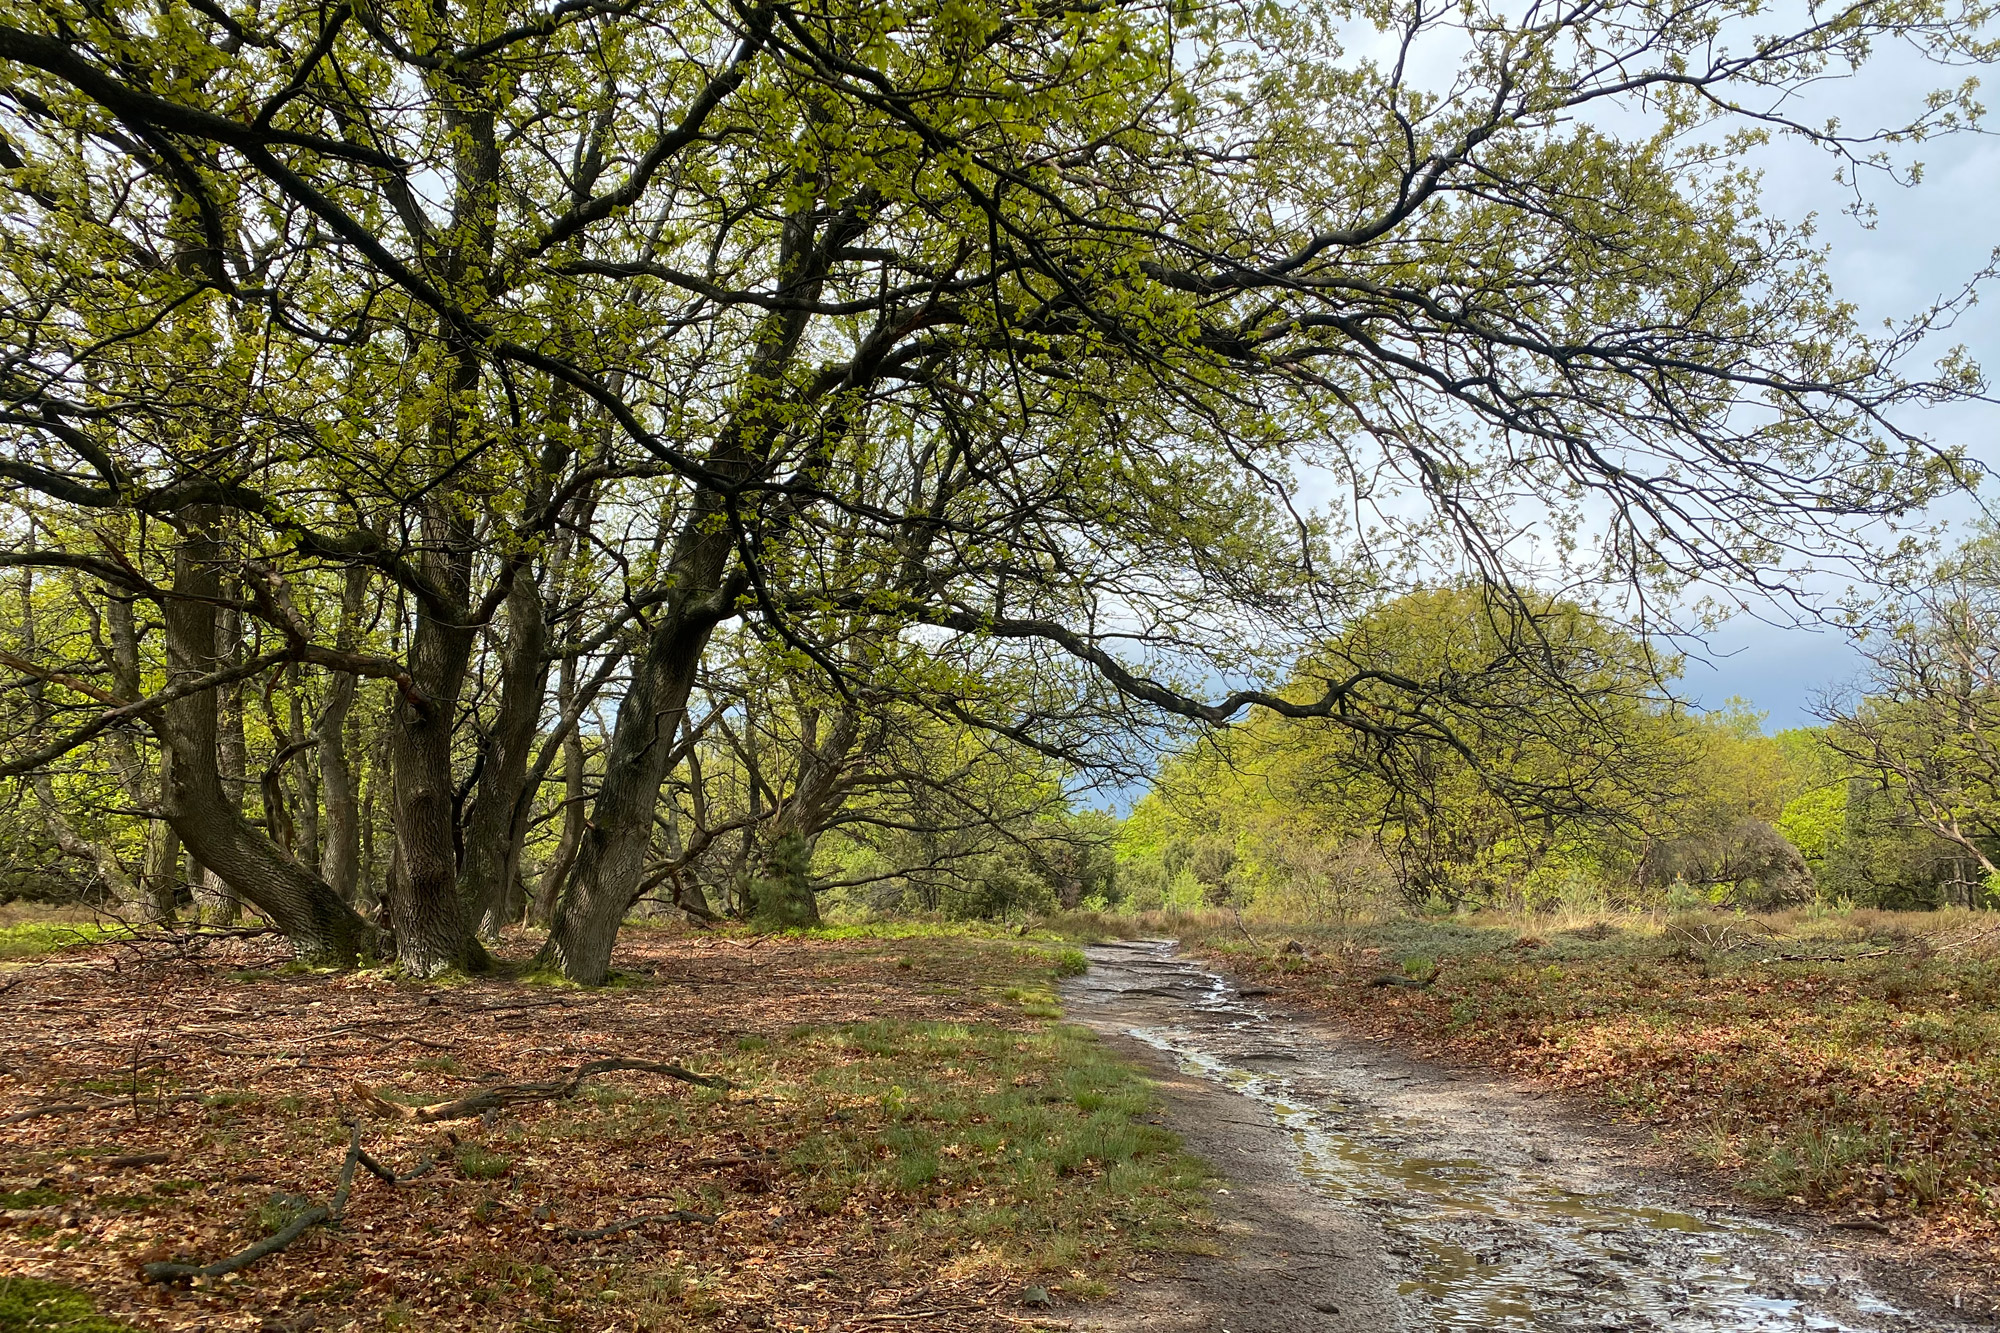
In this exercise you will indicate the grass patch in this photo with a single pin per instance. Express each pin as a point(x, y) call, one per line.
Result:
point(28, 1306)
point(477, 1163)
point(35, 939)
point(948, 1155)
point(1026, 1152)
point(1071, 963)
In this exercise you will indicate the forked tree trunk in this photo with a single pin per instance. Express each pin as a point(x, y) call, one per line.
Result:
point(433, 930)
point(610, 863)
point(487, 878)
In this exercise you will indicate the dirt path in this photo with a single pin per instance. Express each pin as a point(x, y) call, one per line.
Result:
point(1371, 1192)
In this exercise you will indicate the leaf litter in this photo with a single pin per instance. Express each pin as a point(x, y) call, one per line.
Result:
point(901, 1141)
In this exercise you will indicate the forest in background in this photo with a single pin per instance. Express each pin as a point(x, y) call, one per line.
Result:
point(1575, 782)
point(1598, 790)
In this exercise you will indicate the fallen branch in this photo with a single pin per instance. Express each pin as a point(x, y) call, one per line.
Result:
point(515, 1094)
point(1827, 957)
point(94, 1104)
point(633, 1223)
point(318, 1213)
point(50, 1108)
point(1395, 979)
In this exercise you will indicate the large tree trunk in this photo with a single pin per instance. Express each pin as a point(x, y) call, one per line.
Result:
point(431, 926)
point(320, 927)
point(611, 856)
point(816, 795)
point(486, 880)
point(433, 930)
point(163, 856)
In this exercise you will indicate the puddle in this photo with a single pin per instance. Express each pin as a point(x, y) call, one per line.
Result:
point(1480, 1239)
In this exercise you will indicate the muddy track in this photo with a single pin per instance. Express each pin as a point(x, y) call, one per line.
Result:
point(1372, 1193)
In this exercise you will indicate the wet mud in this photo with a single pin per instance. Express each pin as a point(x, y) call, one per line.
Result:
point(1367, 1191)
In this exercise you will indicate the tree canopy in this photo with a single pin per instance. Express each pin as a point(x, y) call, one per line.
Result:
point(395, 393)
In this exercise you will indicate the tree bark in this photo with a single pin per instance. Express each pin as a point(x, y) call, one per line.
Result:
point(305, 771)
point(431, 926)
point(159, 873)
point(217, 902)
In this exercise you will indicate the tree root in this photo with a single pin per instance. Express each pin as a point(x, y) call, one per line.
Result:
point(633, 1223)
point(515, 1094)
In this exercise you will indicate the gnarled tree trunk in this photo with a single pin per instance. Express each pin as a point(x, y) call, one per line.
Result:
point(320, 927)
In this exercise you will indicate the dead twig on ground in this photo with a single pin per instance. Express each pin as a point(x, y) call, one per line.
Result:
point(424, 1166)
point(515, 1094)
point(48, 1108)
point(71, 1108)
